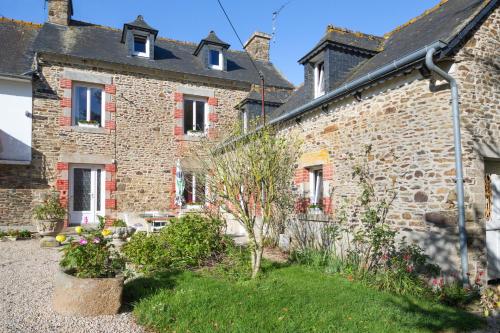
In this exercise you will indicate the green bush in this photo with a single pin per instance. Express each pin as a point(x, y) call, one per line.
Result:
point(186, 242)
point(192, 239)
point(147, 252)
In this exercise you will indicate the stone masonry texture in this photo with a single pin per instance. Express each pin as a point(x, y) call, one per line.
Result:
point(407, 121)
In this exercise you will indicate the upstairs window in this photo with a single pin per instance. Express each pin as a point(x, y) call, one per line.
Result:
point(141, 46)
point(195, 114)
point(87, 108)
point(319, 80)
point(215, 59)
point(316, 186)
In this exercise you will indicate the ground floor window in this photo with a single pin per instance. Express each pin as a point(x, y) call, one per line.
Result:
point(316, 186)
point(194, 192)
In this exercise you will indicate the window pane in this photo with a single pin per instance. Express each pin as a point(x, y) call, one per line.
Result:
point(200, 188)
point(200, 116)
point(214, 58)
point(81, 190)
point(95, 104)
point(188, 190)
point(98, 196)
point(140, 44)
point(188, 115)
point(80, 106)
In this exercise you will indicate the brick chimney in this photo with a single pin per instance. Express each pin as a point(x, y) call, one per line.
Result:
point(258, 46)
point(60, 11)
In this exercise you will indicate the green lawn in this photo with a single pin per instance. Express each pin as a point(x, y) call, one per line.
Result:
point(289, 299)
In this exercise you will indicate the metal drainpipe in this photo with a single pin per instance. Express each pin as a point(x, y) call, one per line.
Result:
point(458, 161)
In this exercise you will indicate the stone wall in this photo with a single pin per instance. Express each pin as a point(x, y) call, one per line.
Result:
point(407, 121)
point(139, 134)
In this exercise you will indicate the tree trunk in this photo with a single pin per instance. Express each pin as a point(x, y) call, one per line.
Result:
point(256, 260)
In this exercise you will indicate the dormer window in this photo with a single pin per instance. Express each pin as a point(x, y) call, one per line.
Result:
point(139, 38)
point(211, 51)
point(141, 46)
point(215, 59)
point(319, 79)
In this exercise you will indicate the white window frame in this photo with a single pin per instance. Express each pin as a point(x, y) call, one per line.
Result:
point(315, 185)
point(221, 60)
point(205, 115)
point(245, 121)
point(74, 101)
point(140, 54)
point(194, 190)
point(319, 79)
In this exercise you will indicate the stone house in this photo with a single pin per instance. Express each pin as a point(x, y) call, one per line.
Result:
point(358, 90)
point(364, 90)
point(113, 110)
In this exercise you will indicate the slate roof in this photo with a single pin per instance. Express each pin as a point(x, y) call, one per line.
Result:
point(16, 40)
point(336, 35)
point(442, 22)
point(277, 97)
point(213, 39)
point(139, 24)
point(89, 41)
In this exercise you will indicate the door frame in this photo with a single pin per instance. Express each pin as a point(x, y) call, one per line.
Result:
point(93, 168)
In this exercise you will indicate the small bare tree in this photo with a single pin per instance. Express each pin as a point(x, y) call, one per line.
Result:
point(249, 176)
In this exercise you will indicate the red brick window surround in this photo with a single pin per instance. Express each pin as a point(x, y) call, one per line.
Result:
point(87, 104)
point(318, 180)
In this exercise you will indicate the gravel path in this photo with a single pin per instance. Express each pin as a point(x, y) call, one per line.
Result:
point(26, 284)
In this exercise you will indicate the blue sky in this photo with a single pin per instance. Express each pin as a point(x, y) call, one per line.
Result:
point(299, 25)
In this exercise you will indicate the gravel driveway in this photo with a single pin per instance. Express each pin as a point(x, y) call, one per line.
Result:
point(26, 284)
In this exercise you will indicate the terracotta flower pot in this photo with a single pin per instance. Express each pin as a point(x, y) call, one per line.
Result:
point(87, 297)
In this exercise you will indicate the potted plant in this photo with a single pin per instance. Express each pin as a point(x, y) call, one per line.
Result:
point(49, 219)
point(12, 234)
point(90, 280)
point(3, 236)
point(88, 123)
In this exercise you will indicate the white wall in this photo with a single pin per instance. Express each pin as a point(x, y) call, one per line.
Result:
point(15, 121)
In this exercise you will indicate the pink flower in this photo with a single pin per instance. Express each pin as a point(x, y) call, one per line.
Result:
point(434, 282)
point(409, 269)
point(85, 220)
point(406, 257)
point(83, 241)
point(97, 240)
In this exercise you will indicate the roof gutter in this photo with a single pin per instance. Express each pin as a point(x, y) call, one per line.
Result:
point(356, 84)
point(15, 77)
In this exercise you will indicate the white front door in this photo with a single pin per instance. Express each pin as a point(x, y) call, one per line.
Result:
point(493, 231)
point(86, 186)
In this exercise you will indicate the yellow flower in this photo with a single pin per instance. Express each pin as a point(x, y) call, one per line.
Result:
point(79, 230)
point(60, 238)
point(106, 232)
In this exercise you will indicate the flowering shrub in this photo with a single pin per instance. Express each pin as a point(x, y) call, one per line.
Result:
point(50, 209)
point(91, 256)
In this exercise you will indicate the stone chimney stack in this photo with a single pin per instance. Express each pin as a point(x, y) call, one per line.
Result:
point(258, 46)
point(60, 11)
